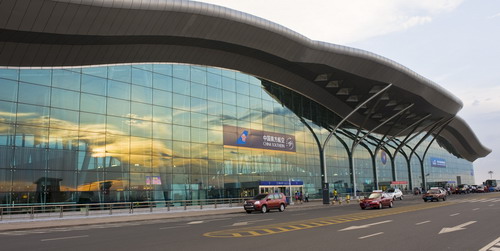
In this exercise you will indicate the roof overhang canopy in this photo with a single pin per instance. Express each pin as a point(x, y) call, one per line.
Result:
point(57, 33)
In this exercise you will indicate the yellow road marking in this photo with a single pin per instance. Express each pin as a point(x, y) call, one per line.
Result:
point(318, 222)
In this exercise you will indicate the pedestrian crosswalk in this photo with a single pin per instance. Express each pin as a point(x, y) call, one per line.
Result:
point(492, 200)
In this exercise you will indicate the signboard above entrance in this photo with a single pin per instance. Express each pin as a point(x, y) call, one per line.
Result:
point(243, 137)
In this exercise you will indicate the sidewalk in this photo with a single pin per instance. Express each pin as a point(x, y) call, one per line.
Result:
point(26, 224)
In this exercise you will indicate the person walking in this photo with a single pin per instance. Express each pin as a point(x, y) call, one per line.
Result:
point(335, 195)
point(306, 199)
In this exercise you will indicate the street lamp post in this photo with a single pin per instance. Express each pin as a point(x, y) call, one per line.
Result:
point(491, 174)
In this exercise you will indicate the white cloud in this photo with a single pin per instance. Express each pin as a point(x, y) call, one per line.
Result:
point(342, 22)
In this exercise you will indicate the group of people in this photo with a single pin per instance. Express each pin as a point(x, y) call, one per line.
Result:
point(299, 197)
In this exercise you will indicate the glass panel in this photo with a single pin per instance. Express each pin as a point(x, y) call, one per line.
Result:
point(198, 75)
point(118, 90)
point(117, 145)
point(255, 91)
point(199, 105)
point(181, 117)
point(243, 101)
point(142, 77)
point(94, 85)
point(41, 77)
point(162, 82)
point(7, 112)
point(62, 160)
point(162, 131)
point(181, 102)
point(215, 137)
point(34, 115)
point(65, 99)
point(60, 118)
point(162, 114)
point(214, 108)
point(214, 80)
point(198, 135)
point(66, 80)
point(215, 94)
point(120, 73)
point(162, 148)
point(229, 84)
point(181, 71)
point(142, 94)
point(162, 98)
point(9, 90)
point(34, 94)
point(181, 86)
point(118, 107)
point(92, 122)
point(141, 111)
point(229, 97)
point(199, 91)
point(117, 125)
point(163, 69)
point(182, 133)
point(96, 71)
point(30, 136)
point(181, 149)
point(199, 120)
point(141, 128)
point(93, 103)
point(242, 88)
point(12, 74)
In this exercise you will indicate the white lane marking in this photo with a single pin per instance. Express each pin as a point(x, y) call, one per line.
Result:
point(195, 222)
point(475, 209)
point(455, 228)
point(371, 235)
point(172, 227)
point(491, 205)
point(454, 214)
point(364, 226)
point(244, 223)
point(423, 222)
point(298, 214)
point(491, 244)
point(262, 220)
point(65, 238)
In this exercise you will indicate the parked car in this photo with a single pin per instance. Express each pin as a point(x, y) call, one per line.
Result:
point(480, 189)
point(463, 189)
point(377, 199)
point(434, 194)
point(395, 193)
point(265, 202)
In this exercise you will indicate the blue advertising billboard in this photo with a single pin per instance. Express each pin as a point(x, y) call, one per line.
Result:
point(438, 162)
point(244, 137)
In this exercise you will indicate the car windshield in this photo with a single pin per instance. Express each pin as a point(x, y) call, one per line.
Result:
point(391, 190)
point(434, 191)
point(260, 196)
point(375, 195)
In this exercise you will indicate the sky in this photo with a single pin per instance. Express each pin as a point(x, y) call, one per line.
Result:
point(455, 43)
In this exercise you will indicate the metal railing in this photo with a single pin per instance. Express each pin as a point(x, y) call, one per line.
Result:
point(118, 208)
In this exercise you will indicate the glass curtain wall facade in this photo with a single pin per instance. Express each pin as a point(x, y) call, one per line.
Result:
point(144, 132)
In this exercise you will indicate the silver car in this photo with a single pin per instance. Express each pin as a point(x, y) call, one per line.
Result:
point(395, 193)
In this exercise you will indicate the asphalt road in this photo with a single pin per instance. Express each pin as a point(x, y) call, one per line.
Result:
point(463, 222)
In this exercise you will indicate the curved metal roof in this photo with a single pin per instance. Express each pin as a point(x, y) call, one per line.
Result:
point(89, 32)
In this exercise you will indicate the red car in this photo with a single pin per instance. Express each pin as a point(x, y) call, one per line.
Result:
point(377, 199)
point(265, 202)
point(434, 194)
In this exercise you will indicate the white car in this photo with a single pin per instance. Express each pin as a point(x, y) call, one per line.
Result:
point(395, 193)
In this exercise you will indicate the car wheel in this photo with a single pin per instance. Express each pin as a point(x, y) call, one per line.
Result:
point(425, 200)
point(363, 208)
point(380, 205)
point(401, 198)
point(264, 209)
point(444, 198)
point(249, 211)
point(390, 204)
point(282, 208)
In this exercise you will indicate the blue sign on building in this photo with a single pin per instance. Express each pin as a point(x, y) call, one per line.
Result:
point(438, 162)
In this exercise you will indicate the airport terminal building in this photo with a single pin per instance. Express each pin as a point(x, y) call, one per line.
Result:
point(111, 101)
